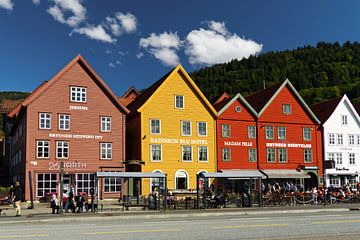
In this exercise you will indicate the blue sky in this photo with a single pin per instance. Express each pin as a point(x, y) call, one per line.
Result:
point(133, 43)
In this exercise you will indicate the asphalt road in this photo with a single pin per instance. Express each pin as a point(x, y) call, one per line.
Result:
point(286, 226)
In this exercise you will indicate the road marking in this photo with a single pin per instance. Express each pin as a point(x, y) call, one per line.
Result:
point(133, 231)
point(252, 226)
point(337, 221)
point(24, 236)
point(162, 222)
point(320, 216)
point(247, 219)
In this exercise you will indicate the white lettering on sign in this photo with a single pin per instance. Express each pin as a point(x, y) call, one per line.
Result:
point(73, 165)
point(177, 141)
point(289, 145)
point(243, 144)
point(76, 136)
point(81, 108)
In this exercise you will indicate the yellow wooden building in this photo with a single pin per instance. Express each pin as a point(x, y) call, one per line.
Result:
point(172, 129)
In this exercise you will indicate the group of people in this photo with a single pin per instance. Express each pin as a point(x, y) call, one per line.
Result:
point(70, 202)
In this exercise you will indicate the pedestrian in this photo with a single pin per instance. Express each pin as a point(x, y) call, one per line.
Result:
point(55, 204)
point(17, 199)
point(79, 199)
point(70, 202)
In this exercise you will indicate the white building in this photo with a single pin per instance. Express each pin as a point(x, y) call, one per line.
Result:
point(341, 141)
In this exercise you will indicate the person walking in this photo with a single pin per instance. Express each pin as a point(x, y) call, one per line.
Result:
point(17, 199)
point(79, 202)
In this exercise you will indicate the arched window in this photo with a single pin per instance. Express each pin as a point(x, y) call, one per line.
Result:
point(181, 180)
point(157, 183)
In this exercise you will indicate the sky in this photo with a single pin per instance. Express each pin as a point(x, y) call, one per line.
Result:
point(133, 42)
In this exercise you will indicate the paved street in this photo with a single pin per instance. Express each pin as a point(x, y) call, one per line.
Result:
point(344, 225)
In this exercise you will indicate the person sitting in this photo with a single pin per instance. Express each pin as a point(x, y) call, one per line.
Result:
point(55, 204)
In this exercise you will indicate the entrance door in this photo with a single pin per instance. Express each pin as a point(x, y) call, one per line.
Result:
point(69, 180)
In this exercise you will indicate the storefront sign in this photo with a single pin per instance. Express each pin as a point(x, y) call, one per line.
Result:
point(289, 145)
point(81, 108)
point(244, 144)
point(179, 141)
point(342, 169)
point(76, 136)
point(67, 165)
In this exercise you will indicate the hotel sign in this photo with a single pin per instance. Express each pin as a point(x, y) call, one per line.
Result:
point(179, 141)
point(289, 145)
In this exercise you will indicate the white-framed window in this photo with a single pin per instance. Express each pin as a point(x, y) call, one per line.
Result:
point(64, 122)
point(44, 120)
point(155, 126)
point(202, 154)
point(281, 132)
point(357, 139)
point(112, 184)
point(156, 152)
point(307, 134)
point(331, 156)
point(157, 183)
point(334, 181)
point(269, 132)
point(45, 183)
point(202, 129)
point(282, 155)
point(331, 137)
point(252, 154)
point(186, 153)
point(185, 128)
point(270, 155)
point(78, 94)
point(351, 139)
point(42, 149)
point(352, 159)
point(308, 155)
point(286, 109)
point(344, 120)
point(225, 130)
point(226, 154)
point(339, 159)
point(251, 132)
point(105, 150)
point(83, 182)
point(181, 180)
point(353, 182)
point(105, 123)
point(62, 149)
point(340, 139)
point(179, 101)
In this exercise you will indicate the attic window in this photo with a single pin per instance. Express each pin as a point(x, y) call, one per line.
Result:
point(237, 109)
point(286, 109)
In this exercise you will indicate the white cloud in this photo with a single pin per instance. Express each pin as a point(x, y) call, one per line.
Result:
point(113, 25)
point(162, 47)
point(111, 65)
point(73, 7)
point(139, 55)
point(217, 45)
point(36, 2)
point(6, 4)
point(95, 32)
point(128, 21)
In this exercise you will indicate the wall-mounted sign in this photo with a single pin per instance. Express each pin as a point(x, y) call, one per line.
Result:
point(33, 163)
point(67, 165)
point(179, 141)
point(81, 108)
point(243, 144)
point(342, 169)
point(289, 145)
point(76, 136)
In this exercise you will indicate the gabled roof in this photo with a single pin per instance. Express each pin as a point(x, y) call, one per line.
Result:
point(263, 98)
point(45, 85)
point(130, 95)
point(226, 103)
point(141, 100)
point(357, 107)
point(221, 101)
point(324, 110)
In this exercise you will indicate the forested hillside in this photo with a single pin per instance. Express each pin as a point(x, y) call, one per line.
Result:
point(318, 73)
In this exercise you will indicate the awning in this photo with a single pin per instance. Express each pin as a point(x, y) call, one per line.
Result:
point(285, 173)
point(235, 174)
point(131, 174)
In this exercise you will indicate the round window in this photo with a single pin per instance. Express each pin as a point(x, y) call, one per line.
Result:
point(237, 109)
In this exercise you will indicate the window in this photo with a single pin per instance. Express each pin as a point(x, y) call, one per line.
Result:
point(179, 101)
point(44, 120)
point(307, 134)
point(282, 155)
point(351, 158)
point(334, 181)
point(43, 149)
point(358, 140)
point(344, 120)
point(286, 109)
point(112, 184)
point(202, 154)
point(105, 150)
point(62, 149)
point(45, 183)
point(281, 132)
point(331, 139)
point(185, 128)
point(270, 155)
point(202, 129)
point(181, 180)
point(78, 94)
point(155, 153)
point(83, 182)
point(339, 159)
point(269, 131)
point(186, 153)
point(251, 132)
point(252, 154)
point(64, 122)
point(331, 157)
point(225, 130)
point(352, 181)
point(105, 124)
point(237, 109)
point(154, 126)
point(351, 139)
point(226, 154)
point(157, 183)
point(340, 139)
point(307, 155)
